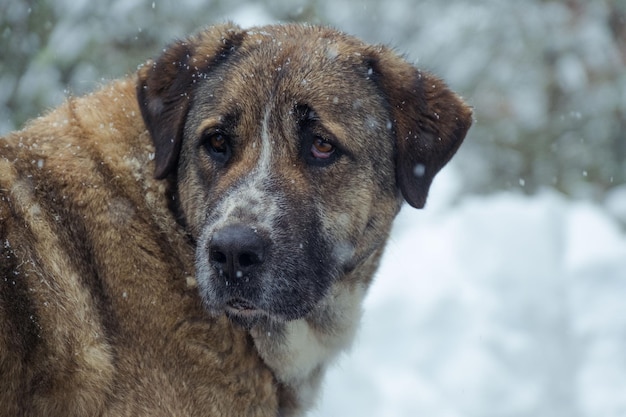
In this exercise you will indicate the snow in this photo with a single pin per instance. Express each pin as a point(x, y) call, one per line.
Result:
point(616, 203)
point(498, 305)
point(502, 305)
point(251, 15)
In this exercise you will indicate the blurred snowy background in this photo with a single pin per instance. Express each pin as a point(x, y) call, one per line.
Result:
point(506, 296)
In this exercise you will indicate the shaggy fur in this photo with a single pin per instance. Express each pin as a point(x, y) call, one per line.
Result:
point(197, 239)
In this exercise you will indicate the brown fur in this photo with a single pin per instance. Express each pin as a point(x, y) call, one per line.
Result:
point(110, 299)
point(98, 308)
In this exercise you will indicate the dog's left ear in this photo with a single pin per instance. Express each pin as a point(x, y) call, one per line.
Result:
point(429, 122)
point(166, 85)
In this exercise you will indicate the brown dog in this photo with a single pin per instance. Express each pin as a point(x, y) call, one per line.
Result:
point(281, 156)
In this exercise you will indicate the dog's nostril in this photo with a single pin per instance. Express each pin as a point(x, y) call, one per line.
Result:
point(249, 259)
point(217, 256)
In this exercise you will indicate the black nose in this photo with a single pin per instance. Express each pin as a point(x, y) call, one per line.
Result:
point(236, 250)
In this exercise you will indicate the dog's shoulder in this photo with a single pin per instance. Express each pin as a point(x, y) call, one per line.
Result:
point(98, 307)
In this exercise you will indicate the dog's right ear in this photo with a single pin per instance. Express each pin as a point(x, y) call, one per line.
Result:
point(166, 86)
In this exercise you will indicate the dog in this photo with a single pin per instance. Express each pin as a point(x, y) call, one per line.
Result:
point(197, 239)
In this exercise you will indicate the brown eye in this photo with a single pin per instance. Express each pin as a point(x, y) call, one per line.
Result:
point(321, 149)
point(217, 145)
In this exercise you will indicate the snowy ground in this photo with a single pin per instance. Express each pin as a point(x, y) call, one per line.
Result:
point(494, 306)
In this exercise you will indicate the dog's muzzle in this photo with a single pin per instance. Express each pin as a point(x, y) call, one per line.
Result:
point(237, 253)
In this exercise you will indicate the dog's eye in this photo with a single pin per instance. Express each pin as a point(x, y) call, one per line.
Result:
point(321, 152)
point(217, 143)
point(321, 149)
point(217, 146)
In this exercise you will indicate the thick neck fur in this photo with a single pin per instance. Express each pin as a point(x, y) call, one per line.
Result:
point(300, 351)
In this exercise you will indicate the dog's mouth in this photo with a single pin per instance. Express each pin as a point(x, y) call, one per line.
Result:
point(241, 306)
point(243, 312)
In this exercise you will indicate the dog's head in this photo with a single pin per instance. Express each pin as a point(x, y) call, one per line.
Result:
point(292, 148)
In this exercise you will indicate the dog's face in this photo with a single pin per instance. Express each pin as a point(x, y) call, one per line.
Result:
point(291, 148)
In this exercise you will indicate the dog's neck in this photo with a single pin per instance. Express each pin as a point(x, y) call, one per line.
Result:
point(300, 351)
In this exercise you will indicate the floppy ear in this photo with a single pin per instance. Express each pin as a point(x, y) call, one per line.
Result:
point(166, 86)
point(429, 122)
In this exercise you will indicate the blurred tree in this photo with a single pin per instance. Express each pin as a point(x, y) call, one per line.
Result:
point(24, 29)
point(546, 77)
point(52, 48)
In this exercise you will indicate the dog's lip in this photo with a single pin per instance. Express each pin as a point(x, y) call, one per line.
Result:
point(241, 306)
